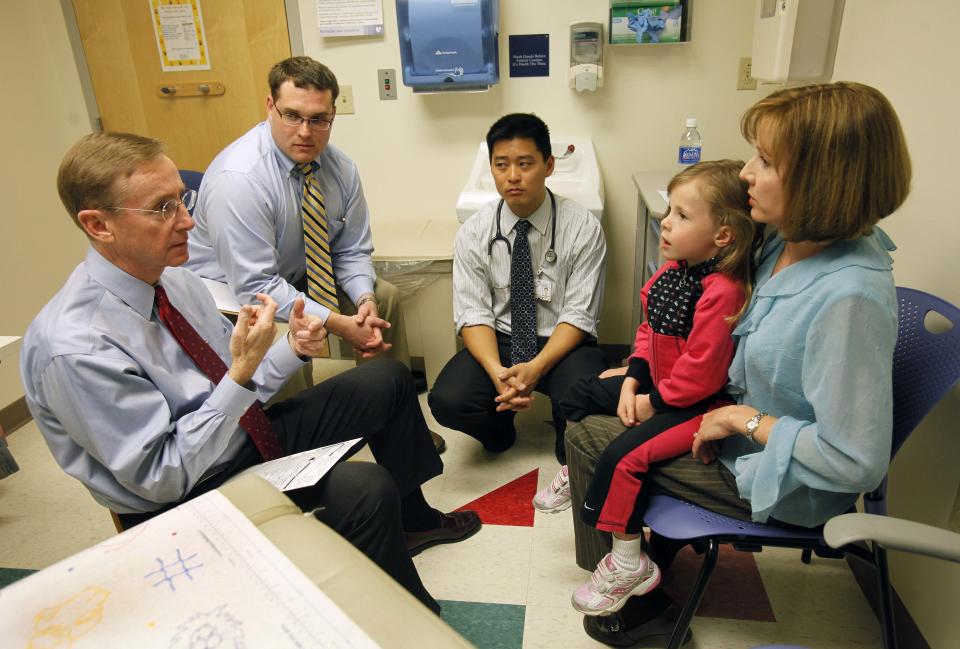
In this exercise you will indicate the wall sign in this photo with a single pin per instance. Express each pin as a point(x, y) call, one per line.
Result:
point(530, 55)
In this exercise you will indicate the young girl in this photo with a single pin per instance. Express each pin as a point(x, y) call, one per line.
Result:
point(676, 373)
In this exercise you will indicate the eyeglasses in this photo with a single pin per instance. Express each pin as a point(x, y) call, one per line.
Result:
point(315, 123)
point(169, 209)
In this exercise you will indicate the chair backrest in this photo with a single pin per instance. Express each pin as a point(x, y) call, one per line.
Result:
point(925, 364)
point(191, 179)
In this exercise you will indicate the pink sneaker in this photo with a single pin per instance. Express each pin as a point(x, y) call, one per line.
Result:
point(556, 496)
point(609, 587)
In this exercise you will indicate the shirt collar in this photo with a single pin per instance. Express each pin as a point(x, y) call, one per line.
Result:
point(540, 219)
point(135, 293)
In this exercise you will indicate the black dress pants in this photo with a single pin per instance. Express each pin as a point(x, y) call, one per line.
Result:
point(378, 402)
point(463, 396)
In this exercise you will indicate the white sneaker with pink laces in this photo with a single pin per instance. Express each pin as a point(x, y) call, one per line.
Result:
point(555, 497)
point(609, 587)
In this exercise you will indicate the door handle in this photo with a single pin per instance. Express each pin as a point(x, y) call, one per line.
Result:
point(195, 89)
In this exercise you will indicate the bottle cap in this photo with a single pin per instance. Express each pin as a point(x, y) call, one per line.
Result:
point(691, 122)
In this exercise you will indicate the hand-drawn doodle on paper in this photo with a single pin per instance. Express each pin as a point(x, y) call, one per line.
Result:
point(214, 629)
point(177, 568)
point(63, 624)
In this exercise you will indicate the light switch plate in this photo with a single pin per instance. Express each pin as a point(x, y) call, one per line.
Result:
point(345, 101)
point(387, 83)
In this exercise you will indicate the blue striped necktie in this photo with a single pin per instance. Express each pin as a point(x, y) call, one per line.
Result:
point(321, 286)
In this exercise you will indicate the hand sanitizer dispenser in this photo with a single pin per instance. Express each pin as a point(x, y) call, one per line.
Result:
point(449, 44)
point(586, 56)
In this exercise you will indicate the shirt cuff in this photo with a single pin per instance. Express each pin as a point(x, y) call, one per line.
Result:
point(658, 403)
point(475, 318)
point(581, 322)
point(639, 369)
point(231, 398)
point(357, 286)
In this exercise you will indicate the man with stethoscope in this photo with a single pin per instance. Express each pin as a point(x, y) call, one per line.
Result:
point(528, 273)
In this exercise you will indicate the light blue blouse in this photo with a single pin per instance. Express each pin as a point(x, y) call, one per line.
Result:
point(815, 350)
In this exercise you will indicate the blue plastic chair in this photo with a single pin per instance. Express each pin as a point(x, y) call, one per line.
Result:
point(192, 180)
point(925, 366)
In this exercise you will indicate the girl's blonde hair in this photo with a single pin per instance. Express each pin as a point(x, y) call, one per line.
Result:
point(719, 185)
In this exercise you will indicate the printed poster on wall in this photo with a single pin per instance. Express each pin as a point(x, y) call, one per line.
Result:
point(181, 38)
point(350, 17)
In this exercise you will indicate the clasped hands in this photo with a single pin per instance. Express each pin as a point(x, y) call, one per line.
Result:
point(515, 385)
point(364, 331)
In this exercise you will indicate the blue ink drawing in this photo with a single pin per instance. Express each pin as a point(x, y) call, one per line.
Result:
point(167, 572)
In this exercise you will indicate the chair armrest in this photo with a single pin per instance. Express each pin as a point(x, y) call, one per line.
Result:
point(893, 533)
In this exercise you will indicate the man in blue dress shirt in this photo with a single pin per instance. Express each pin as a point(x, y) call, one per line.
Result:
point(126, 393)
point(250, 228)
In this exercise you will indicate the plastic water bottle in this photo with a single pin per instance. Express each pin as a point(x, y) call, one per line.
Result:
point(689, 152)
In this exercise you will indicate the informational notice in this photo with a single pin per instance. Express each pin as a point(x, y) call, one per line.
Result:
point(181, 38)
point(530, 55)
point(350, 17)
point(199, 575)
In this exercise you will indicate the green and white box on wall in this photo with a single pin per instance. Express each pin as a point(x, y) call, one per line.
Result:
point(648, 22)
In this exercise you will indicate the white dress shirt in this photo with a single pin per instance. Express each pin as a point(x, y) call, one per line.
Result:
point(481, 276)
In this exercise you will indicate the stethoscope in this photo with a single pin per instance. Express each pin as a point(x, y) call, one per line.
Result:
point(551, 255)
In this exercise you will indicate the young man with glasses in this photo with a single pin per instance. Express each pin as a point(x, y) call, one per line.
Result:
point(149, 396)
point(281, 211)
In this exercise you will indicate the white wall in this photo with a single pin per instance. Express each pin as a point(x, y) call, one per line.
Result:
point(42, 114)
point(414, 153)
point(915, 64)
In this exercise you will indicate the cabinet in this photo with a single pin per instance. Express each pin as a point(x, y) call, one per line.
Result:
point(650, 209)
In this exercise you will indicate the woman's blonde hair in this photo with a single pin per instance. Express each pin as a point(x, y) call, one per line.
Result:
point(720, 187)
point(840, 151)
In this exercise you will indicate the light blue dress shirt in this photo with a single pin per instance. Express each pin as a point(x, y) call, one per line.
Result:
point(815, 349)
point(249, 230)
point(120, 404)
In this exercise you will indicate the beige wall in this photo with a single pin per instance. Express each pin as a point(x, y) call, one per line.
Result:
point(917, 71)
point(42, 114)
point(414, 153)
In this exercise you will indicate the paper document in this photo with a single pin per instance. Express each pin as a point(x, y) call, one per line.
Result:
point(303, 469)
point(200, 575)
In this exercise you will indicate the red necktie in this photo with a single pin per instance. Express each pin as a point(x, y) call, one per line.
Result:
point(253, 421)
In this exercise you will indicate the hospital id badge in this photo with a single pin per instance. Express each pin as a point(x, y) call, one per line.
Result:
point(543, 290)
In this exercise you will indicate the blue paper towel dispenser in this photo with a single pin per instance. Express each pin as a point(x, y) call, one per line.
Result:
point(449, 44)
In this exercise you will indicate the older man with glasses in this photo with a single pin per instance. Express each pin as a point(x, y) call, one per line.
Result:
point(281, 211)
point(150, 397)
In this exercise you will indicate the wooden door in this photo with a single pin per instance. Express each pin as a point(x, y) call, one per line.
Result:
point(244, 39)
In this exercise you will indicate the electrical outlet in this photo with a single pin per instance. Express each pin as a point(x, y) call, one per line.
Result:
point(745, 80)
point(345, 101)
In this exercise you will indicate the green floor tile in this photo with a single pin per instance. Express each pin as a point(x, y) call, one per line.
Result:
point(488, 626)
point(10, 575)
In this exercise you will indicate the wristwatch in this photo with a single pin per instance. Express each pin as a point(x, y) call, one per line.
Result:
point(753, 424)
point(367, 298)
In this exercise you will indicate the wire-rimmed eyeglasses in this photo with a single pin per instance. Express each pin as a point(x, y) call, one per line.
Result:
point(169, 209)
point(314, 123)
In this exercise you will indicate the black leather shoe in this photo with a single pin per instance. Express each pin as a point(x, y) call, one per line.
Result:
point(438, 442)
point(611, 630)
point(456, 526)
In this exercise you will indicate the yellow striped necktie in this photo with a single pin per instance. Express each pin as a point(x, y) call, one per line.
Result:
point(321, 286)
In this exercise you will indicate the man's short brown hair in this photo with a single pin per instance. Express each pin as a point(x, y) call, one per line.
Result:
point(304, 72)
point(840, 151)
point(94, 172)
